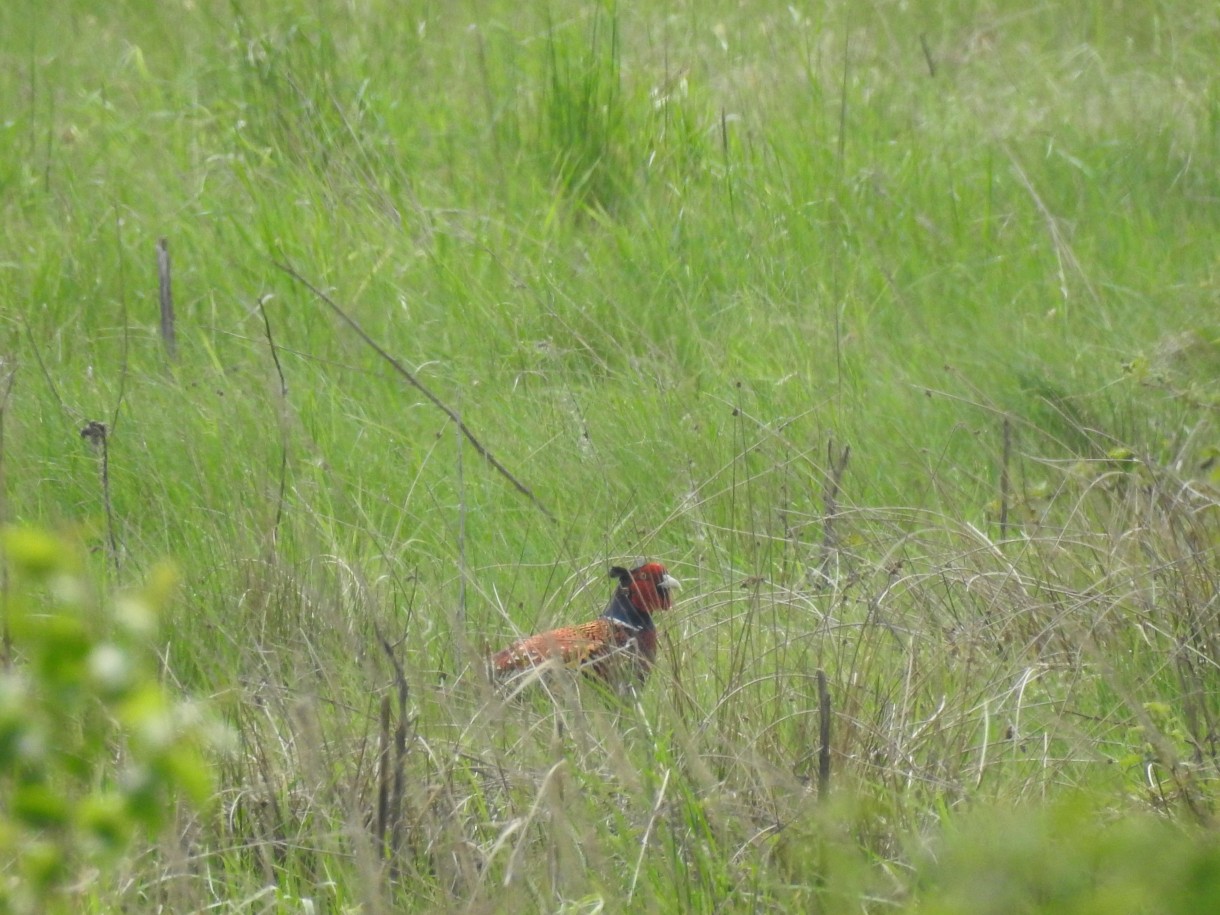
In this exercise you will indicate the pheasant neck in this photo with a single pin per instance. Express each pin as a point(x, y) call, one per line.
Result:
point(622, 610)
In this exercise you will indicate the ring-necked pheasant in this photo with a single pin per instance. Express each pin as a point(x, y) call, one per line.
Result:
point(619, 646)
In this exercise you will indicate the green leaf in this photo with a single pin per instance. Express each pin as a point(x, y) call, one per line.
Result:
point(106, 819)
point(39, 805)
point(33, 552)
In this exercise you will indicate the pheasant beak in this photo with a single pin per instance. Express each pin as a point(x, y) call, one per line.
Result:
point(669, 583)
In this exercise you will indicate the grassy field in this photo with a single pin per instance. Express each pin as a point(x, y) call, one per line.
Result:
point(892, 328)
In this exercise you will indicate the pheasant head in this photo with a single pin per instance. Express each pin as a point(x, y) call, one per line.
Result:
point(640, 593)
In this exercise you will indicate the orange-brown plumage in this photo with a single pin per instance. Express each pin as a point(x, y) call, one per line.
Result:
point(618, 646)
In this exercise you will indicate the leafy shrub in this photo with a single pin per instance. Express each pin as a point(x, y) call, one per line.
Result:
point(93, 749)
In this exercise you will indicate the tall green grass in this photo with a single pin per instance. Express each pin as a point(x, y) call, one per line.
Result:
point(665, 265)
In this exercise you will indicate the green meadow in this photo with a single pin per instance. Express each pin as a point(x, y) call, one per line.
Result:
point(891, 328)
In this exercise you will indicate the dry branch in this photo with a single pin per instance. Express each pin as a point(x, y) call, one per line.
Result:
point(419, 386)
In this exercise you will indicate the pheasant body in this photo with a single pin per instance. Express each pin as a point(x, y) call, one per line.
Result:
point(620, 646)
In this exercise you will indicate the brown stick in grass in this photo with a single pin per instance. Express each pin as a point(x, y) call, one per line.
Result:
point(419, 386)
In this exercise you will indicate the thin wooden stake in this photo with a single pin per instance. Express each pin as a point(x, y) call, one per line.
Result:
point(383, 779)
point(279, 370)
point(393, 777)
point(97, 435)
point(1005, 457)
point(927, 55)
point(167, 300)
point(837, 461)
point(6, 638)
point(823, 736)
